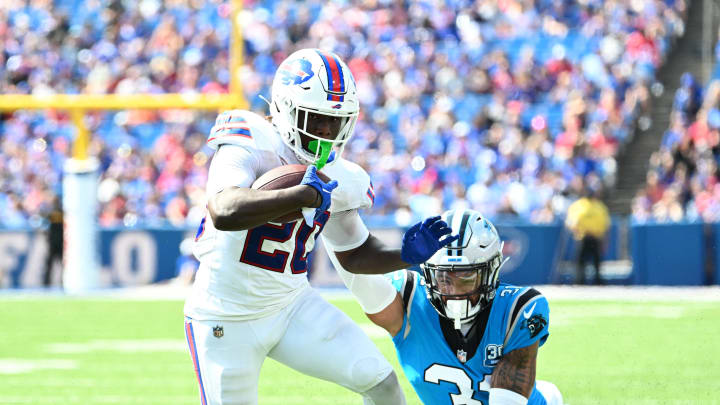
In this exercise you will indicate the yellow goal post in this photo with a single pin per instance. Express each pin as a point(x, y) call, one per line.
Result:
point(81, 268)
point(77, 104)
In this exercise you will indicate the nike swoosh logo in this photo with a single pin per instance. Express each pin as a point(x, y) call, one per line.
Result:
point(529, 312)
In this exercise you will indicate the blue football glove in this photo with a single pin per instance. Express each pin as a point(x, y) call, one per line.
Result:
point(423, 239)
point(324, 190)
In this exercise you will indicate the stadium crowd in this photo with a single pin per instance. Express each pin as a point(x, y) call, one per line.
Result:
point(508, 107)
point(683, 180)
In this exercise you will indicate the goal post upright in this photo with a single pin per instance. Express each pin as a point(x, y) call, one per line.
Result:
point(236, 49)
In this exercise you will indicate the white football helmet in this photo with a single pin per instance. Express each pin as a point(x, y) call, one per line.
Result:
point(312, 86)
point(461, 278)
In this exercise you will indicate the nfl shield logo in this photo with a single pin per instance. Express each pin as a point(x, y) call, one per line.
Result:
point(462, 355)
point(218, 331)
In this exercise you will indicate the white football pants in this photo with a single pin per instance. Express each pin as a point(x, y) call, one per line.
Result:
point(309, 335)
point(550, 392)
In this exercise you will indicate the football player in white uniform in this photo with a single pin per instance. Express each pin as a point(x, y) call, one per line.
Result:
point(251, 298)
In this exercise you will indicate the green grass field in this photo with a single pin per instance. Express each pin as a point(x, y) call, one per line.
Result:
point(68, 351)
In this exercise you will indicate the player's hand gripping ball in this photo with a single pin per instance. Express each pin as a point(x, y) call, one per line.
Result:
point(324, 188)
point(283, 177)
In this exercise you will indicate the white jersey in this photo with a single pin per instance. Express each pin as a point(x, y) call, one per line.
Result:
point(253, 273)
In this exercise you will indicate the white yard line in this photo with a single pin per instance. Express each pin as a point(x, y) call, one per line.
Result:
point(19, 366)
point(120, 345)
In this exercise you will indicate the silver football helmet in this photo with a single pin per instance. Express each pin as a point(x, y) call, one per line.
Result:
point(314, 103)
point(461, 278)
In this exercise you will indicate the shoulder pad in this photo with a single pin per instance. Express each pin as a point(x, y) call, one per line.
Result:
point(405, 282)
point(244, 128)
point(528, 318)
point(354, 191)
point(521, 300)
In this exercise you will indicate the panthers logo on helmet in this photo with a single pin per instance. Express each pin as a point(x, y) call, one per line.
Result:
point(296, 71)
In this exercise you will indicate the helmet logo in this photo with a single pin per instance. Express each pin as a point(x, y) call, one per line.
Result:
point(296, 71)
point(337, 106)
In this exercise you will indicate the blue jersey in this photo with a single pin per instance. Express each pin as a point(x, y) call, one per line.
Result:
point(446, 368)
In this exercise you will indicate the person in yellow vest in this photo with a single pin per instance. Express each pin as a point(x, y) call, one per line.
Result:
point(588, 220)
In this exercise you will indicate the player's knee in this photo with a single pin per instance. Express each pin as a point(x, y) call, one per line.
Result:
point(550, 392)
point(368, 371)
point(386, 392)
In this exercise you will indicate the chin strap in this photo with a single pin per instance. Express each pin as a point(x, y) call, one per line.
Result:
point(455, 309)
point(327, 155)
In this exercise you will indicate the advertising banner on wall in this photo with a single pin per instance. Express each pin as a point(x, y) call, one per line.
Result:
point(662, 255)
point(130, 257)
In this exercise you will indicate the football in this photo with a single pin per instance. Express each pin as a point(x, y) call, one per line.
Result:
point(284, 177)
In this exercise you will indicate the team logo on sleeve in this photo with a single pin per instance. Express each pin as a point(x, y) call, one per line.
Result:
point(296, 71)
point(535, 325)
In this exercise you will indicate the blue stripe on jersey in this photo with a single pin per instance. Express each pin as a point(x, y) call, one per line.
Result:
point(371, 194)
point(234, 131)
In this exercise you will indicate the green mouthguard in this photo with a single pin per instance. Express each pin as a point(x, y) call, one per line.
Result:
point(325, 149)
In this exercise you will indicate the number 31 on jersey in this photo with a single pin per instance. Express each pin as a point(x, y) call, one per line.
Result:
point(438, 372)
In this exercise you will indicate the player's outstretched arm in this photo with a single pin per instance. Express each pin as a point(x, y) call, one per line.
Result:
point(514, 376)
point(391, 317)
point(420, 242)
point(372, 257)
point(382, 304)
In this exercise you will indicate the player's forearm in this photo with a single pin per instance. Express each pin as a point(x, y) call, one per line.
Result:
point(372, 257)
point(516, 371)
point(236, 208)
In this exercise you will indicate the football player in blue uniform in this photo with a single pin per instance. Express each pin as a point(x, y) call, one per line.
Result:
point(463, 337)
